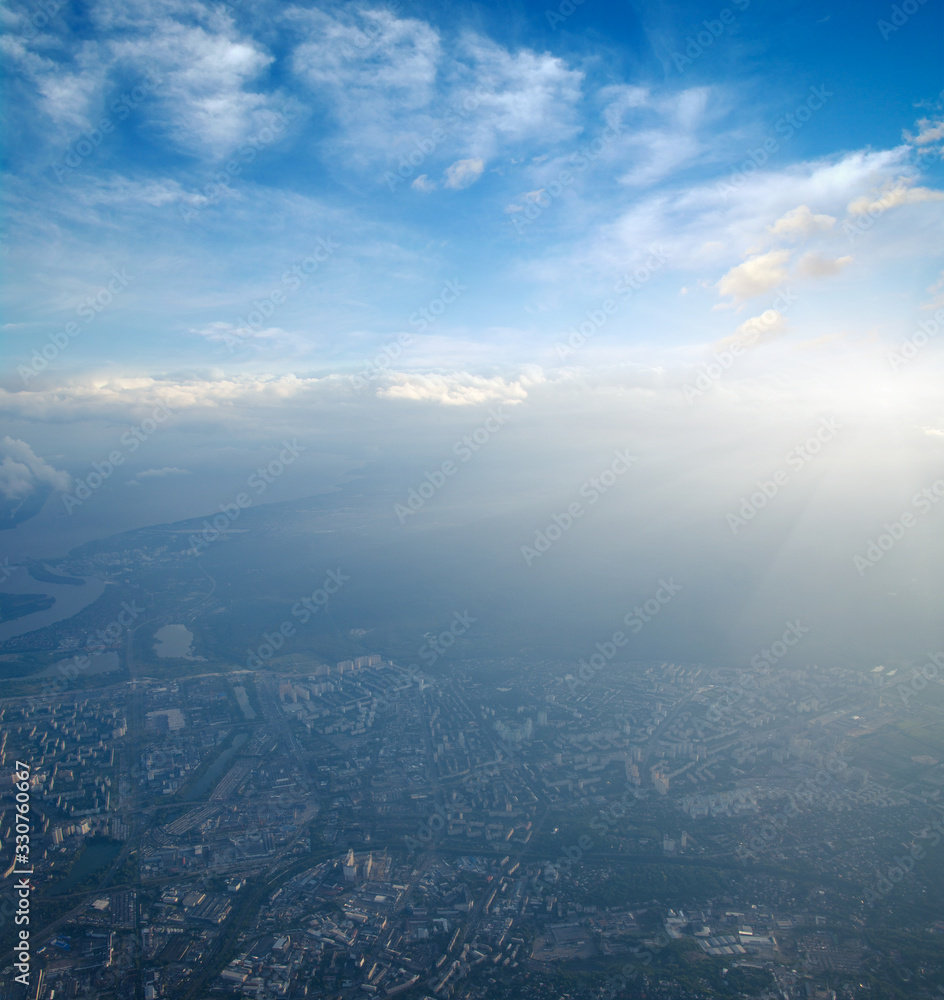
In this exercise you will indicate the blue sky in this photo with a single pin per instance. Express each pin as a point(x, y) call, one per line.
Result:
point(360, 218)
point(696, 233)
point(416, 138)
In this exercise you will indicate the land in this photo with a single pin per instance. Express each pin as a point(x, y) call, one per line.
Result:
point(349, 816)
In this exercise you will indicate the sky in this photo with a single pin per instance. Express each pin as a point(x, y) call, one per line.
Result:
point(691, 230)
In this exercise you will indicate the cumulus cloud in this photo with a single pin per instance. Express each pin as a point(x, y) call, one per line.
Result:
point(424, 184)
point(899, 193)
point(758, 329)
point(755, 276)
point(463, 173)
point(800, 222)
point(930, 132)
point(814, 265)
point(459, 389)
point(23, 472)
point(253, 397)
point(26, 480)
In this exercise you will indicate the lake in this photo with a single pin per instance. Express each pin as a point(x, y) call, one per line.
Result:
point(175, 642)
point(96, 857)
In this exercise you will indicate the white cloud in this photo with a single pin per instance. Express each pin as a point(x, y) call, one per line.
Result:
point(234, 336)
point(656, 135)
point(514, 96)
point(462, 174)
point(375, 75)
point(252, 398)
point(203, 99)
point(424, 184)
point(69, 91)
point(930, 132)
point(168, 470)
point(758, 329)
point(395, 88)
point(814, 265)
point(199, 77)
point(703, 225)
point(937, 294)
point(69, 98)
point(373, 59)
point(22, 471)
point(801, 222)
point(459, 389)
point(124, 191)
point(755, 276)
point(894, 195)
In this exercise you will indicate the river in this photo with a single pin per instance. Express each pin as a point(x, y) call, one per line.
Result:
point(70, 600)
